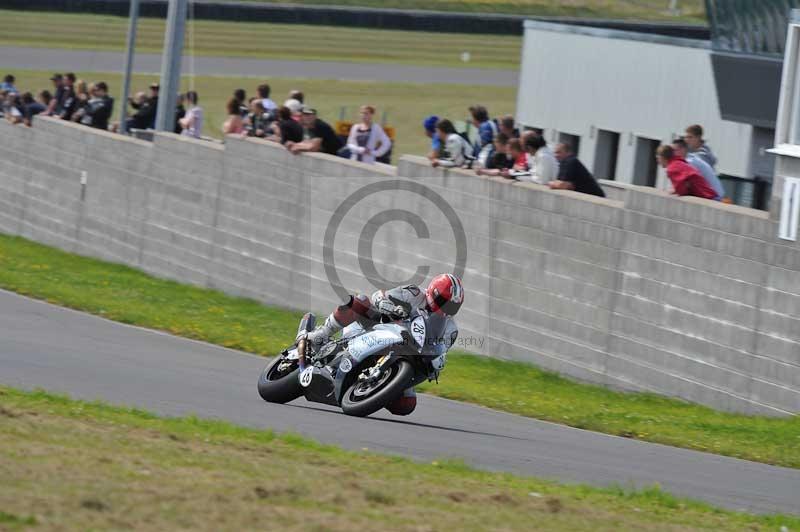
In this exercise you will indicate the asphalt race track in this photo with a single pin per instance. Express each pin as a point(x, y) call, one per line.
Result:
point(64, 60)
point(60, 350)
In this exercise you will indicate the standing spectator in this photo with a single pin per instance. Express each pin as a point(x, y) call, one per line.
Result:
point(192, 122)
point(8, 84)
point(286, 128)
point(499, 159)
point(698, 146)
point(318, 135)
point(34, 107)
point(233, 125)
point(456, 151)
point(263, 92)
point(517, 155)
point(507, 126)
point(682, 150)
point(294, 107)
point(82, 96)
point(572, 175)
point(487, 129)
point(298, 95)
point(58, 95)
point(429, 124)
point(180, 112)
point(98, 109)
point(542, 163)
point(146, 109)
point(367, 140)
point(69, 98)
point(257, 123)
point(240, 95)
point(686, 180)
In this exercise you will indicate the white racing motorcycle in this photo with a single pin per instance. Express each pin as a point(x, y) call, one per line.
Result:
point(363, 371)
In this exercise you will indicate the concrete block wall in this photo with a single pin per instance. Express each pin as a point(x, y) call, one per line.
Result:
point(639, 290)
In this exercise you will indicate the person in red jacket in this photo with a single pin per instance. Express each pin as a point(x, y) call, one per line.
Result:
point(686, 180)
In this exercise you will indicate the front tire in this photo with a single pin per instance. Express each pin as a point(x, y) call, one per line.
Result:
point(278, 384)
point(356, 402)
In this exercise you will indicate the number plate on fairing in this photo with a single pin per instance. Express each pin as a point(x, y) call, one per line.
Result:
point(418, 330)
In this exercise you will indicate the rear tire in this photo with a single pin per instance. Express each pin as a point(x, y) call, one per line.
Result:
point(275, 387)
point(400, 379)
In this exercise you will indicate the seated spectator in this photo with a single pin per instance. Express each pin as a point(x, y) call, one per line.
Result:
point(507, 127)
point(34, 107)
point(192, 122)
point(295, 94)
point(180, 112)
point(682, 150)
point(69, 98)
point(99, 108)
point(318, 135)
point(456, 150)
point(542, 164)
point(233, 125)
point(686, 180)
point(146, 109)
point(264, 91)
point(367, 140)
point(572, 175)
point(429, 124)
point(8, 84)
point(499, 159)
point(241, 96)
point(286, 129)
point(698, 146)
point(487, 129)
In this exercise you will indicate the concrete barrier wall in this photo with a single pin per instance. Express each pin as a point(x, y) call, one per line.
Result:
point(639, 291)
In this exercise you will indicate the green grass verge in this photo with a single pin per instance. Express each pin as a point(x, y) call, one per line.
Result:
point(406, 104)
point(127, 295)
point(261, 40)
point(73, 465)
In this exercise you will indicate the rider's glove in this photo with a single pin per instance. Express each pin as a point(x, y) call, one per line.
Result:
point(388, 308)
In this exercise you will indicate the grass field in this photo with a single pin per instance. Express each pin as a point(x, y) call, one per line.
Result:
point(401, 101)
point(127, 295)
point(690, 10)
point(70, 465)
point(256, 39)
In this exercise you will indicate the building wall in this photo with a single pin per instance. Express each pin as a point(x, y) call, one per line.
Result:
point(639, 291)
point(575, 79)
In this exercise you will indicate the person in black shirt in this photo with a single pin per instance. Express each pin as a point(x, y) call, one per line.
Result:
point(69, 100)
point(572, 175)
point(318, 135)
point(286, 128)
point(33, 107)
point(54, 108)
point(99, 107)
point(145, 115)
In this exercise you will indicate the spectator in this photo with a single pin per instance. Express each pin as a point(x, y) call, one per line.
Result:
point(286, 128)
point(81, 100)
point(241, 97)
point(233, 124)
point(429, 124)
point(146, 109)
point(682, 150)
point(572, 175)
point(257, 123)
point(487, 129)
point(294, 107)
point(13, 109)
point(507, 127)
point(34, 107)
point(192, 122)
point(318, 135)
point(295, 94)
point(698, 146)
point(517, 155)
point(55, 106)
point(180, 112)
point(499, 159)
point(263, 92)
point(456, 151)
point(69, 98)
point(8, 84)
point(541, 161)
point(98, 109)
point(368, 141)
point(686, 180)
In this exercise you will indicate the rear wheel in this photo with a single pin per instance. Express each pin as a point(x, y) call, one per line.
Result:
point(363, 398)
point(279, 382)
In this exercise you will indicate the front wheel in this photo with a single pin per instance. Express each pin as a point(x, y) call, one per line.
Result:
point(363, 398)
point(279, 383)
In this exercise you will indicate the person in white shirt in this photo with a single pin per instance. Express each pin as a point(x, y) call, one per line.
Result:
point(543, 166)
point(192, 121)
point(367, 140)
point(263, 93)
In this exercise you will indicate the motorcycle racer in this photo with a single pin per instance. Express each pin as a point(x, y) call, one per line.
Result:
point(444, 296)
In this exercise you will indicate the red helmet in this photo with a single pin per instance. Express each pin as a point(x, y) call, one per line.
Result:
point(445, 294)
